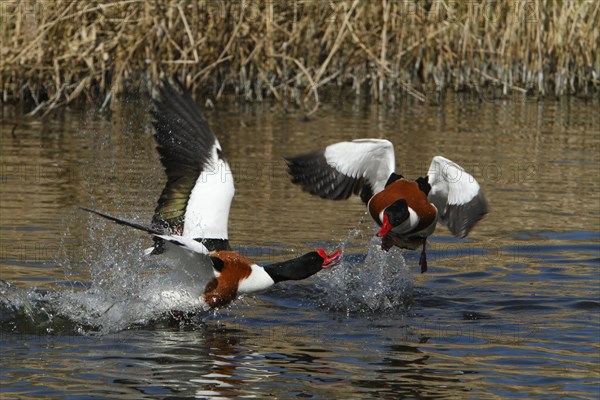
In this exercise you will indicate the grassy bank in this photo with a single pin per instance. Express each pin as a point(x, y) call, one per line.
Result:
point(55, 51)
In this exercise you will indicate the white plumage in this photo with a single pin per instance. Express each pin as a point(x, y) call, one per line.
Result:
point(207, 211)
point(365, 165)
point(372, 159)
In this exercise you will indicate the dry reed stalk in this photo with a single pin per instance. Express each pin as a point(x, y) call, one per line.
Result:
point(53, 52)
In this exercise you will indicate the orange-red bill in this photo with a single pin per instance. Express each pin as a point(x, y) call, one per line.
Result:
point(385, 227)
point(329, 259)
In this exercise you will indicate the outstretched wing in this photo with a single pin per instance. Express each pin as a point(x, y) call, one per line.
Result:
point(196, 199)
point(185, 242)
point(342, 169)
point(456, 195)
point(188, 258)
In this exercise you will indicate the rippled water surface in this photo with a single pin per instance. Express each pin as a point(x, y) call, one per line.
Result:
point(513, 311)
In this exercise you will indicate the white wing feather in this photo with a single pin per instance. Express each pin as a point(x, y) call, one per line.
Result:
point(190, 264)
point(207, 211)
point(372, 159)
point(456, 194)
point(187, 243)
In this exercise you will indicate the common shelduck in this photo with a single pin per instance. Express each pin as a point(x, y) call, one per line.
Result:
point(407, 211)
point(190, 221)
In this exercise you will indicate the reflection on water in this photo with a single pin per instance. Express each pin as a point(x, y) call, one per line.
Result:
point(512, 311)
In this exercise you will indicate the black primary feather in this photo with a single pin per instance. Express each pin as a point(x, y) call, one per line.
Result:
point(314, 174)
point(460, 219)
point(184, 142)
point(149, 229)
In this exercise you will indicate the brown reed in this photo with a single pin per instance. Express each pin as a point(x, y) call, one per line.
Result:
point(55, 51)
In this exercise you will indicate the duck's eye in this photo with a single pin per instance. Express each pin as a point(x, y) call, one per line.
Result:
point(218, 264)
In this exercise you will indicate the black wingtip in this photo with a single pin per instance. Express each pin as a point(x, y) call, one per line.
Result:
point(185, 142)
point(462, 218)
point(314, 175)
point(121, 221)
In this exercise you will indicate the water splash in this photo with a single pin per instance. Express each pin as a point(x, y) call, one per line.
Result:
point(125, 288)
point(26, 311)
point(380, 283)
point(13, 301)
point(129, 289)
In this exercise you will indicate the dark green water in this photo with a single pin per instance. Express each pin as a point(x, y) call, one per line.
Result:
point(511, 312)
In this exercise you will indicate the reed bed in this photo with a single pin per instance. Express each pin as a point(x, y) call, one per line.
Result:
point(55, 51)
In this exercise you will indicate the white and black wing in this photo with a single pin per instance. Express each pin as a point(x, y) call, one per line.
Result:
point(456, 195)
point(197, 197)
point(342, 169)
point(188, 244)
point(189, 258)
